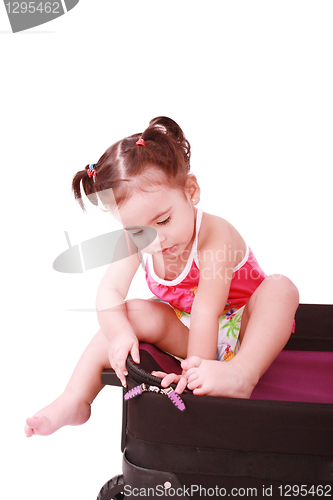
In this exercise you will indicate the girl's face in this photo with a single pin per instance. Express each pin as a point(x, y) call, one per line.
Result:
point(169, 211)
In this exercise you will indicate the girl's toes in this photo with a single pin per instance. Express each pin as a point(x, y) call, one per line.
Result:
point(194, 384)
point(34, 421)
point(38, 424)
point(31, 424)
point(199, 392)
point(191, 362)
point(192, 375)
point(28, 431)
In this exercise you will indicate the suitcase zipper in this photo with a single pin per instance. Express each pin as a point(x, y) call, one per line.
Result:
point(141, 375)
point(168, 391)
point(145, 377)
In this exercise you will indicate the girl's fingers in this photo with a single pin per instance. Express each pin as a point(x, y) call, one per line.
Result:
point(159, 374)
point(170, 378)
point(181, 386)
point(135, 353)
point(121, 374)
point(119, 366)
point(118, 359)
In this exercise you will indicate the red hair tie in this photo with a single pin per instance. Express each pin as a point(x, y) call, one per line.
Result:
point(140, 142)
point(92, 172)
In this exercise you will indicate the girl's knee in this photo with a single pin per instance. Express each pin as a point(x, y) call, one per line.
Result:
point(146, 318)
point(283, 286)
point(137, 314)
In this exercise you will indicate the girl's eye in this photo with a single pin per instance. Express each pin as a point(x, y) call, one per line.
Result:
point(138, 233)
point(164, 221)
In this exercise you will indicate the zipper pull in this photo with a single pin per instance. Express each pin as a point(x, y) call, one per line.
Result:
point(139, 389)
point(169, 392)
point(174, 398)
point(136, 391)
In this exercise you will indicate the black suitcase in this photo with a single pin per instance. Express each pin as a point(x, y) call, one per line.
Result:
point(277, 444)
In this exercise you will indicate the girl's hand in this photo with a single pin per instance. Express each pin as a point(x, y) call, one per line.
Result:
point(119, 349)
point(172, 378)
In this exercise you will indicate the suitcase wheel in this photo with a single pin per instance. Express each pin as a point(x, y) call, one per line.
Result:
point(113, 489)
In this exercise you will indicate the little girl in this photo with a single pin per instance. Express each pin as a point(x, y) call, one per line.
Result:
point(215, 302)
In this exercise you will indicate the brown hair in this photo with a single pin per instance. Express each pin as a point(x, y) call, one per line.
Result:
point(166, 149)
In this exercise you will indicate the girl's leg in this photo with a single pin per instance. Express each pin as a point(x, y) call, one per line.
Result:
point(156, 323)
point(267, 324)
point(72, 407)
point(151, 321)
point(265, 329)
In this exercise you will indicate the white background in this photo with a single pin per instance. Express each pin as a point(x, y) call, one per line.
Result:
point(250, 83)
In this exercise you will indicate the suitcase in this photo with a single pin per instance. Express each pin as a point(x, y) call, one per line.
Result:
point(278, 443)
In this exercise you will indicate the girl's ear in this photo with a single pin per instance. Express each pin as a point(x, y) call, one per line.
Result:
point(192, 189)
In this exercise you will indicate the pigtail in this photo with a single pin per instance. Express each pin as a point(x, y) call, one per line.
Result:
point(170, 140)
point(168, 126)
point(83, 182)
point(172, 130)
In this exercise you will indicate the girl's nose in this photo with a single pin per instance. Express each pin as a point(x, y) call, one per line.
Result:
point(158, 242)
point(161, 238)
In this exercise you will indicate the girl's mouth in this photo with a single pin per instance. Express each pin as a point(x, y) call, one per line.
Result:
point(169, 250)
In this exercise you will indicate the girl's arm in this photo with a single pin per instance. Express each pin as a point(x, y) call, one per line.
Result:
point(207, 307)
point(218, 251)
point(112, 316)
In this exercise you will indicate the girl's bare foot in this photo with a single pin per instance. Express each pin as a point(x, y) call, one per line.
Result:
point(217, 378)
point(65, 410)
